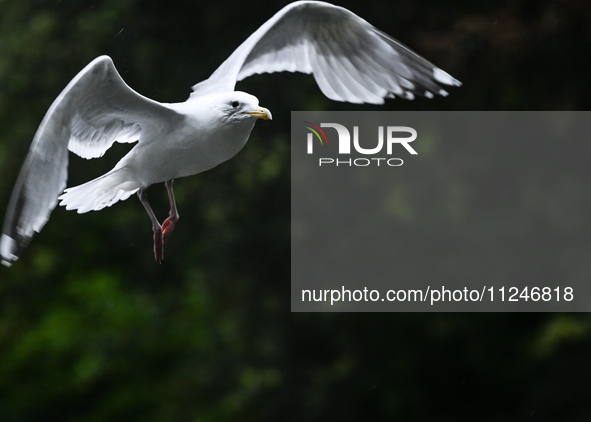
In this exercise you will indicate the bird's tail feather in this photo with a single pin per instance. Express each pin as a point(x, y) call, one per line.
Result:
point(99, 193)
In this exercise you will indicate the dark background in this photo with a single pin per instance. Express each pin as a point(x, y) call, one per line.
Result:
point(92, 329)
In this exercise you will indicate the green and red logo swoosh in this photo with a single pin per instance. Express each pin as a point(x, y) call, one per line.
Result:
point(316, 130)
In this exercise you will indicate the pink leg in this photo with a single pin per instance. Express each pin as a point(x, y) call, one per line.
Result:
point(170, 222)
point(156, 227)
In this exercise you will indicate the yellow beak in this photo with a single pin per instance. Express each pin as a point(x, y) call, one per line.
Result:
point(261, 113)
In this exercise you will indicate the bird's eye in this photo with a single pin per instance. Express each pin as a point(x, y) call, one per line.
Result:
point(234, 103)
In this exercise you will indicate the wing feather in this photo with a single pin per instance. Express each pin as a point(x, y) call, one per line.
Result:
point(96, 109)
point(350, 59)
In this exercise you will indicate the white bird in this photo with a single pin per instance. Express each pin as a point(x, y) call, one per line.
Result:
point(349, 58)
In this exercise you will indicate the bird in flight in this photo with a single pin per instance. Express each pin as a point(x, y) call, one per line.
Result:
point(350, 59)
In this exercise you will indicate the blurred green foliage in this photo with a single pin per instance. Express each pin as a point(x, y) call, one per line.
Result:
point(92, 329)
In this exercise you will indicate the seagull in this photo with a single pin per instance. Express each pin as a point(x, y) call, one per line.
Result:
point(350, 59)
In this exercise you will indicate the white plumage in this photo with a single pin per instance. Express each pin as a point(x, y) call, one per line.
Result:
point(349, 58)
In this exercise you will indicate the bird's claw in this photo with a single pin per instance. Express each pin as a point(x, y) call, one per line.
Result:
point(158, 246)
point(161, 235)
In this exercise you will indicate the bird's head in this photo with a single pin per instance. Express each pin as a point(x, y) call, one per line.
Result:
point(239, 106)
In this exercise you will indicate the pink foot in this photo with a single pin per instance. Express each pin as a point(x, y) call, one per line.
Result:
point(168, 227)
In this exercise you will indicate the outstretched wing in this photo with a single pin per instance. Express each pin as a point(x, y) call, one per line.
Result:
point(96, 109)
point(351, 60)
